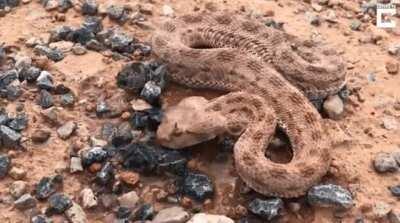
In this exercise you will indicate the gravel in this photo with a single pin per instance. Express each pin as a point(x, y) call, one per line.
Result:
point(330, 195)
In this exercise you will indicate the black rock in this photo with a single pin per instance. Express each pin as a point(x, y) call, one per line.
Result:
point(148, 119)
point(19, 123)
point(266, 209)
point(123, 135)
point(123, 213)
point(93, 24)
point(132, 77)
point(344, 93)
point(3, 55)
point(13, 3)
point(151, 92)
point(118, 13)
point(102, 108)
point(93, 155)
point(40, 219)
point(145, 212)
point(60, 33)
point(95, 45)
point(198, 186)
point(144, 49)
point(330, 195)
point(67, 100)
point(45, 99)
point(9, 137)
point(30, 74)
point(64, 5)
point(53, 54)
point(139, 157)
point(272, 23)
point(7, 77)
point(106, 175)
point(45, 81)
point(4, 119)
point(172, 162)
point(121, 42)
point(89, 7)
point(48, 186)
point(5, 165)
point(58, 203)
point(13, 92)
point(26, 201)
point(108, 130)
point(395, 190)
point(61, 89)
point(82, 36)
point(3, 4)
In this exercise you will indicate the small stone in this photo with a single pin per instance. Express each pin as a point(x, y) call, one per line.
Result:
point(89, 200)
point(117, 13)
point(313, 19)
point(209, 218)
point(5, 164)
point(381, 209)
point(129, 177)
point(67, 100)
point(51, 5)
point(75, 165)
point(106, 174)
point(19, 123)
point(145, 212)
point(330, 195)
point(331, 16)
point(266, 209)
point(58, 203)
point(45, 81)
point(198, 186)
point(394, 216)
point(123, 135)
point(17, 173)
point(121, 42)
point(45, 99)
point(132, 77)
point(355, 25)
point(316, 7)
point(102, 108)
point(390, 123)
point(171, 215)
point(26, 201)
point(9, 137)
point(151, 92)
point(93, 24)
point(75, 214)
point(40, 136)
point(89, 7)
point(123, 213)
point(168, 11)
point(40, 219)
point(333, 107)
point(395, 190)
point(385, 162)
point(66, 130)
point(53, 54)
point(47, 186)
point(392, 67)
point(93, 155)
point(78, 49)
point(129, 200)
point(17, 189)
point(394, 50)
point(64, 46)
point(139, 157)
point(29, 74)
point(82, 35)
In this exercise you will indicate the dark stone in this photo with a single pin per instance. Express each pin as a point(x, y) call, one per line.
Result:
point(171, 161)
point(61, 89)
point(60, 33)
point(272, 23)
point(7, 77)
point(108, 130)
point(93, 24)
point(123, 135)
point(58, 203)
point(53, 54)
point(132, 77)
point(106, 175)
point(40, 219)
point(26, 201)
point(344, 93)
point(144, 49)
point(48, 186)
point(45, 81)
point(395, 190)
point(13, 3)
point(198, 186)
point(9, 137)
point(102, 108)
point(4, 119)
point(3, 4)
point(13, 92)
point(266, 209)
point(330, 195)
point(64, 5)
point(151, 92)
point(82, 36)
point(148, 119)
point(89, 7)
point(93, 155)
point(67, 100)
point(29, 74)
point(145, 212)
point(5, 165)
point(139, 157)
point(123, 213)
point(45, 99)
point(40, 136)
point(19, 123)
point(121, 42)
point(95, 45)
point(117, 13)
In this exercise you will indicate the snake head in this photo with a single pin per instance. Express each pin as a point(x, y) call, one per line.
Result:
point(188, 123)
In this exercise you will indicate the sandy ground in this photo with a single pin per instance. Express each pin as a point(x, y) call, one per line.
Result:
point(361, 123)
